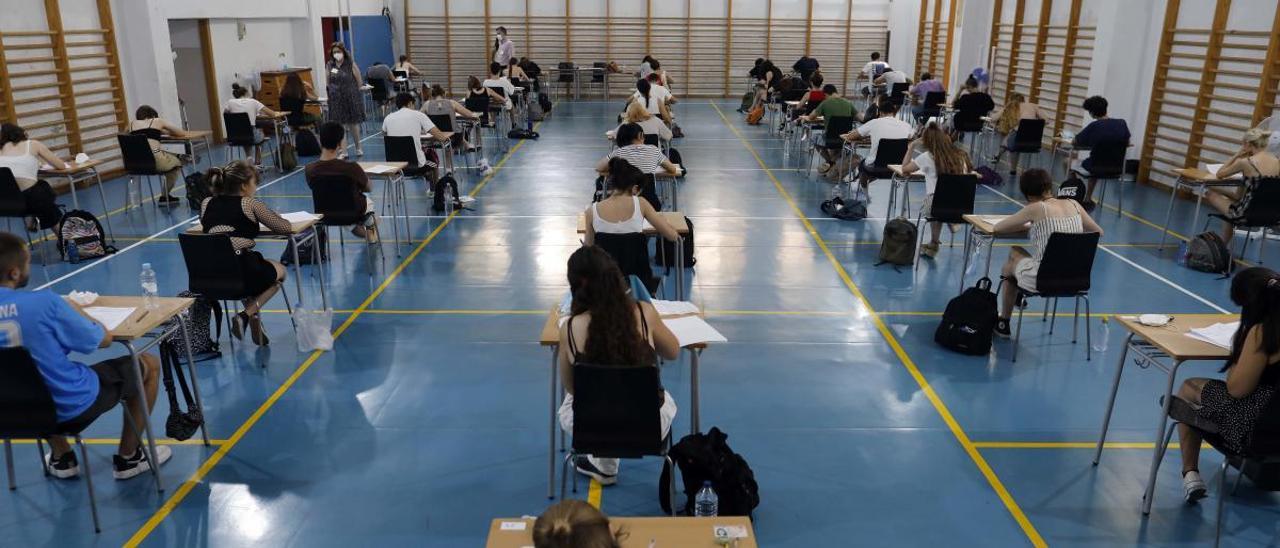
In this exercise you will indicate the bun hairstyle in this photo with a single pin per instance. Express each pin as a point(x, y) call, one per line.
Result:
point(230, 180)
point(574, 524)
point(1257, 137)
point(1257, 291)
point(238, 91)
point(437, 91)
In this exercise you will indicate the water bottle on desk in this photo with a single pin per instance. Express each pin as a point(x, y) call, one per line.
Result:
point(706, 504)
point(150, 289)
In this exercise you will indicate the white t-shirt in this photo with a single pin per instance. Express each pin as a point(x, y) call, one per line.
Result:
point(646, 158)
point(894, 77)
point(661, 91)
point(869, 69)
point(505, 84)
point(408, 122)
point(654, 104)
point(883, 128)
point(929, 170)
point(246, 105)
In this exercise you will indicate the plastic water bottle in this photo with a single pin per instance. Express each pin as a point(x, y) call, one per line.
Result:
point(73, 253)
point(1182, 254)
point(1100, 344)
point(135, 194)
point(150, 289)
point(706, 503)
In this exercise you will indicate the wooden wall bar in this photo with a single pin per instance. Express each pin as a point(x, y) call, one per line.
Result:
point(933, 43)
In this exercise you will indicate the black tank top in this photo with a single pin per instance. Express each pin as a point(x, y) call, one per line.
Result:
point(227, 211)
point(149, 132)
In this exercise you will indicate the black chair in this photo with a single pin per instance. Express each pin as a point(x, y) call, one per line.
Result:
point(139, 163)
point(296, 108)
point(651, 139)
point(597, 76)
point(13, 205)
point(479, 104)
point(1261, 212)
point(336, 202)
point(240, 133)
point(898, 93)
point(1106, 162)
point(445, 121)
point(932, 105)
point(404, 86)
point(381, 93)
point(953, 198)
point(888, 152)
point(631, 251)
point(1028, 138)
point(834, 128)
point(566, 73)
point(27, 411)
point(214, 272)
point(403, 149)
point(1065, 272)
point(969, 124)
point(615, 416)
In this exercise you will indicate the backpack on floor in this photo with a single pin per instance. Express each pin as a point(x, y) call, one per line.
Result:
point(180, 425)
point(199, 318)
point(306, 143)
point(674, 156)
point(1208, 253)
point(707, 457)
point(851, 211)
point(667, 255)
point(535, 111)
point(288, 157)
point(80, 237)
point(676, 132)
point(753, 117)
point(748, 99)
point(898, 246)
point(437, 188)
point(988, 176)
point(198, 190)
point(306, 252)
point(522, 134)
point(545, 103)
point(969, 322)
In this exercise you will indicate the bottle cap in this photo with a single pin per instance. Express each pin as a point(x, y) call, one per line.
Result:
point(146, 266)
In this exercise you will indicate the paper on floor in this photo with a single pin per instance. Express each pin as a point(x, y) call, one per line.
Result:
point(1218, 334)
point(690, 330)
point(110, 316)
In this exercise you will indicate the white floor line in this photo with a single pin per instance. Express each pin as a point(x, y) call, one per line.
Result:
point(1139, 267)
point(575, 215)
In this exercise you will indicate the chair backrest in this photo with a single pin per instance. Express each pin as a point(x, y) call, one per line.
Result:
point(332, 196)
point(400, 149)
point(295, 106)
point(501, 91)
point(1264, 203)
point(239, 128)
point(968, 121)
point(1030, 134)
point(400, 73)
point(651, 139)
point(13, 203)
point(26, 406)
point(478, 104)
point(890, 151)
point(597, 75)
point(1106, 159)
point(630, 251)
point(837, 126)
point(442, 121)
point(953, 198)
point(898, 91)
point(381, 89)
point(136, 154)
point(213, 269)
point(795, 94)
point(566, 72)
point(1067, 264)
point(615, 410)
point(934, 98)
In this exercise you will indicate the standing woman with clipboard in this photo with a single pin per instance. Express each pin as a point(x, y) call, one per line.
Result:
point(346, 106)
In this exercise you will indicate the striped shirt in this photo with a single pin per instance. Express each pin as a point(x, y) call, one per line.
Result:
point(1043, 228)
point(646, 158)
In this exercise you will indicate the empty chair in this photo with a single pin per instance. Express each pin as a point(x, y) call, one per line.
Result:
point(566, 75)
point(1027, 140)
point(598, 70)
point(1066, 271)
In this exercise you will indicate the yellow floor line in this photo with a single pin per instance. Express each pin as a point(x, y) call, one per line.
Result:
point(183, 490)
point(595, 493)
point(113, 441)
point(1010, 504)
point(1069, 445)
point(959, 246)
point(1061, 314)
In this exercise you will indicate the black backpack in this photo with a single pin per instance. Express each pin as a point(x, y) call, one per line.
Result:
point(1208, 253)
point(82, 231)
point(1073, 188)
point(437, 201)
point(197, 190)
point(305, 143)
point(667, 255)
point(836, 207)
point(706, 457)
point(197, 318)
point(969, 321)
point(306, 251)
point(519, 133)
point(545, 103)
point(898, 245)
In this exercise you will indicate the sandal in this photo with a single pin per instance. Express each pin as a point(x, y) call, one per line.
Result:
point(238, 323)
point(256, 332)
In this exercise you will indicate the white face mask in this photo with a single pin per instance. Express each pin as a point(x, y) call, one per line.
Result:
point(498, 36)
point(338, 56)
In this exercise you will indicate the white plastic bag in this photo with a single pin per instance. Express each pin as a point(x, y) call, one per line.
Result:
point(314, 329)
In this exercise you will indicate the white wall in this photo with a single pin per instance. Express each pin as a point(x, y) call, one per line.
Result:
point(904, 30)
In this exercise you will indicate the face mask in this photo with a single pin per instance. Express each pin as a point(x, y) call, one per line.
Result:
point(498, 36)
point(337, 56)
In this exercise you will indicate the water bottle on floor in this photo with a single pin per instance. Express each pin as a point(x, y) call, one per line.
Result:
point(1100, 343)
point(150, 289)
point(135, 194)
point(706, 503)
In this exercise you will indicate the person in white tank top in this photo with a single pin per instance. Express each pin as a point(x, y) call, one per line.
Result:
point(22, 156)
point(623, 212)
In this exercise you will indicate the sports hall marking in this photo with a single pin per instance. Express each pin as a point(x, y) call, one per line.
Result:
point(183, 490)
point(116, 441)
point(1069, 445)
point(1137, 266)
point(1010, 504)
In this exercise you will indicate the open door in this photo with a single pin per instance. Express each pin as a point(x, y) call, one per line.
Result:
point(193, 67)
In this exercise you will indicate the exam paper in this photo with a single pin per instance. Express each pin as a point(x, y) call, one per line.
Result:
point(1218, 334)
point(111, 317)
point(690, 330)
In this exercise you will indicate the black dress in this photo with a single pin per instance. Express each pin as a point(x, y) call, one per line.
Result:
point(1237, 417)
point(238, 217)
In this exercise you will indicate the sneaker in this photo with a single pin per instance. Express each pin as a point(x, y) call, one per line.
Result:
point(465, 199)
point(1193, 488)
point(167, 200)
point(1002, 328)
point(583, 465)
point(64, 467)
point(929, 250)
point(126, 468)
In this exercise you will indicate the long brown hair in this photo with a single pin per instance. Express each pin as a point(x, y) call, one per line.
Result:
point(950, 159)
point(574, 524)
point(293, 87)
point(613, 336)
point(1011, 114)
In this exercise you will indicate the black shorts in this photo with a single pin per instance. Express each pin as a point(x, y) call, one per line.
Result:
point(115, 382)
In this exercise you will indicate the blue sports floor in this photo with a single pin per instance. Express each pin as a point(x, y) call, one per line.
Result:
point(429, 417)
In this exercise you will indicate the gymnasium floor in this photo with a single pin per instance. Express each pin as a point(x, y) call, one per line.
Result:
point(430, 416)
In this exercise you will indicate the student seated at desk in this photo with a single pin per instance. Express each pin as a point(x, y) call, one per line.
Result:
point(407, 121)
point(1233, 407)
point(241, 102)
point(606, 326)
point(575, 524)
point(817, 94)
point(1103, 130)
point(1015, 111)
point(919, 92)
point(650, 124)
point(650, 100)
point(497, 80)
point(232, 210)
point(940, 156)
point(49, 328)
point(22, 156)
point(623, 203)
point(148, 123)
point(441, 105)
point(663, 92)
point(885, 126)
point(1254, 162)
point(832, 106)
point(333, 140)
point(647, 158)
point(408, 67)
point(294, 97)
point(971, 104)
point(514, 72)
point(1045, 214)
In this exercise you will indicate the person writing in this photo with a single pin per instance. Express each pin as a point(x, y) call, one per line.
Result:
point(575, 524)
point(939, 156)
point(885, 126)
point(332, 141)
point(259, 115)
point(1102, 131)
point(294, 97)
point(1015, 111)
point(406, 66)
point(650, 124)
point(1254, 162)
point(647, 158)
point(147, 122)
point(407, 121)
point(22, 156)
point(50, 328)
point(607, 326)
point(833, 105)
point(623, 204)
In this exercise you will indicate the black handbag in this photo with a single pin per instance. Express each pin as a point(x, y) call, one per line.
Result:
point(180, 425)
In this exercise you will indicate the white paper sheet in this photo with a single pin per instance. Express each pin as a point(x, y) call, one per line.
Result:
point(674, 308)
point(110, 316)
point(1218, 334)
point(690, 330)
point(379, 169)
point(299, 216)
point(1213, 170)
point(993, 219)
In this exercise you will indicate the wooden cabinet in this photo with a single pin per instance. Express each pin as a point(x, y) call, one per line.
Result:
point(273, 82)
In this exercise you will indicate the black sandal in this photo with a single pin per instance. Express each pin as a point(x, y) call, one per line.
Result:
point(238, 323)
point(259, 336)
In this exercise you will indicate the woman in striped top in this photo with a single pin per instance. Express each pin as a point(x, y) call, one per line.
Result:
point(1042, 216)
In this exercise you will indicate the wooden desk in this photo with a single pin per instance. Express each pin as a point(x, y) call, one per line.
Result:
point(189, 144)
point(899, 179)
point(298, 236)
point(1153, 347)
point(665, 532)
point(1199, 179)
point(676, 221)
point(74, 174)
point(393, 195)
point(142, 321)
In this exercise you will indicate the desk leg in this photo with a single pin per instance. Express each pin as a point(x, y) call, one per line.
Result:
point(694, 418)
point(893, 198)
point(551, 433)
point(146, 415)
point(106, 212)
point(1158, 451)
point(403, 199)
point(968, 246)
point(195, 385)
point(75, 201)
point(1111, 401)
point(315, 263)
point(295, 243)
point(679, 268)
point(991, 250)
point(1168, 212)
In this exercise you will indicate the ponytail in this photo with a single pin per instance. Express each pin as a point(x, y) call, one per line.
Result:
point(230, 180)
point(643, 87)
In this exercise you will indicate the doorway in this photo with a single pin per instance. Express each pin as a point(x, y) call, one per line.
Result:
point(193, 68)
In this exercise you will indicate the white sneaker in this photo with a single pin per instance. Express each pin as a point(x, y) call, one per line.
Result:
point(1193, 487)
point(464, 199)
point(125, 468)
point(64, 467)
